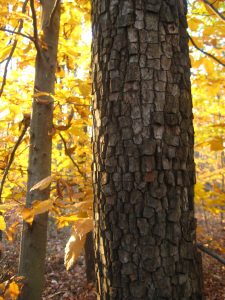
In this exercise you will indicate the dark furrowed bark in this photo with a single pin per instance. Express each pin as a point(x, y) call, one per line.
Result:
point(89, 257)
point(143, 171)
point(33, 245)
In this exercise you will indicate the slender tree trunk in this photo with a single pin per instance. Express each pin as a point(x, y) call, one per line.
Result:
point(90, 257)
point(33, 246)
point(144, 173)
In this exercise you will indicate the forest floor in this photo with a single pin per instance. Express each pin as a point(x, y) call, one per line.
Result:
point(72, 285)
point(211, 233)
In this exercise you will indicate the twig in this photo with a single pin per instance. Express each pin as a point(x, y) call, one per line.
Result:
point(211, 253)
point(6, 67)
point(71, 158)
point(18, 33)
point(219, 14)
point(53, 295)
point(35, 37)
point(12, 50)
point(12, 155)
point(206, 53)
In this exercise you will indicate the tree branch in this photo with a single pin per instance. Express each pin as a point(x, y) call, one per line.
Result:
point(12, 156)
point(12, 50)
point(206, 53)
point(11, 159)
point(35, 31)
point(219, 14)
point(211, 253)
point(71, 158)
point(18, 33)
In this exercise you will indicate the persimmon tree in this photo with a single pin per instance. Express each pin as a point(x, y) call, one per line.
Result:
point(144, 172)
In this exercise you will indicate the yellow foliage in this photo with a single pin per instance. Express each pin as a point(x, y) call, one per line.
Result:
point(4, 52)
point(2, 223)
point(38, 207)
point(13, 290)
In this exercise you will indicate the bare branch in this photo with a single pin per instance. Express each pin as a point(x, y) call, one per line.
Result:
point(71, 158)
point(211, 253)
point(219, 14)
point(17, 33)
point(12, 156)
point(12, 50)
point(206, 53)
point(35, 37)
point(6, 67)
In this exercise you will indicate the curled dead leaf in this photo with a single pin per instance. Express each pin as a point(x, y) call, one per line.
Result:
point(43, 184)
point(73, 249)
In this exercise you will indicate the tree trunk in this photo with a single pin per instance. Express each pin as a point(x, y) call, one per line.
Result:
point(144, 172)
point(33, 245)
point(89, 257)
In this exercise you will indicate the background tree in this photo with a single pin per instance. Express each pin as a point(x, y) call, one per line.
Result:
point(34, 236)
point(144, 171)
point(71, 155)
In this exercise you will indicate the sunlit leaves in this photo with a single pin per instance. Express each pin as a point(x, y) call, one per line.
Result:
point(4, 52)
point(2, 223)
point(38, 207)
point(208, 88)
point(10, 289)
point(13, 290)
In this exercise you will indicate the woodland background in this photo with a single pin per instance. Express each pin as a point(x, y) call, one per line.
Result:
point(70, 204)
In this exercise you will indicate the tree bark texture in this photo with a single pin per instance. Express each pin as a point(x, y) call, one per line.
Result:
point(33, 245)
point(143, 171)
point(89, 257)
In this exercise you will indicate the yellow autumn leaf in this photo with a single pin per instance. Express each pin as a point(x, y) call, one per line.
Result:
point(2, 223)
point(4, 207)
point(4, 52)
point(39, 207)
point(73, 249)
point(10, 232)
point(216, 144)
point(83, 226)
point(43, 184)
point(208, 31)
point(196, 63)
point(13, 290)
point(27, 215)
point(193, 23)
point(209, 65)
